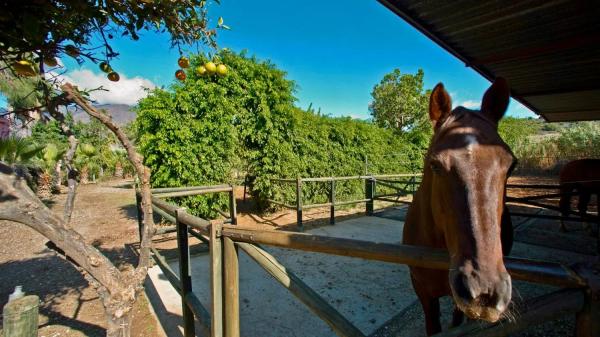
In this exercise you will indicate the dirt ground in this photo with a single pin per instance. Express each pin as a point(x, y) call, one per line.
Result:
point(105, 216)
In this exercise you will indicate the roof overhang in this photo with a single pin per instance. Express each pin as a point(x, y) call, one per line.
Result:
point(548, 50)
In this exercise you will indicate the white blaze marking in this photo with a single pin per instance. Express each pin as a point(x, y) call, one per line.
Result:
point(470, 140)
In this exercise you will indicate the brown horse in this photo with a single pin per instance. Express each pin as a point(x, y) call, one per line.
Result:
point(459, 206)
point(583, 176)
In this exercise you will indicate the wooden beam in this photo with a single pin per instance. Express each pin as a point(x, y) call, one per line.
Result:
point(535, 311)
point(231, 289)
point(199, 311)
point(226, 188)
point(529, 52)
point(299, 203)
point(185, 275)
point(340, 325)
point(166, 269)
point(216, 280)
point(521, 269)
point(184, 188)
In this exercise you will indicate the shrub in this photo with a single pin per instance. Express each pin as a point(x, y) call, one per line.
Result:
point(210, 129)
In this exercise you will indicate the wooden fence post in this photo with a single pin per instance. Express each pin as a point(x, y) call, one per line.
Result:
point(299, 203)
point(21, 317)
point(231, 289)
point(588, 319)
point(232, 207)
point(332, 201)
point(140, 213)
point(185, 275)
point(216, 280)
point(369, 189)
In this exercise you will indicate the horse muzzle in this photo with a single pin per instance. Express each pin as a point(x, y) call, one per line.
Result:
point(479, 296)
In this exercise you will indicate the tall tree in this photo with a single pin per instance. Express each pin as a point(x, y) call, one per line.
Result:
point(400, 102)
point(32, 35)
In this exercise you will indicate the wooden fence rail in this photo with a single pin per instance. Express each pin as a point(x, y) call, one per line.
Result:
point(224, 240)
point(371, 182)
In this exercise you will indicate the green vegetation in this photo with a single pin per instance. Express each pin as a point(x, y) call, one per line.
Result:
point(400, 102)
point(213, 129)
point(18, 151)
point(516, 132)
point(545, 147)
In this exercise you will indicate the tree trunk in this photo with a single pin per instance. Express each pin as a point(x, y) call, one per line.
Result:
point(119, 326)
point(57, 177)
point(44, 185)
point(85, 175)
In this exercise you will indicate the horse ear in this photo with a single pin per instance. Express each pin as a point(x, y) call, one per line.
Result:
point(440, 104)
point(495, 100)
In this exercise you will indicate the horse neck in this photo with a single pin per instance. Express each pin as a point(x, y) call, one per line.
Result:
point(419, 225)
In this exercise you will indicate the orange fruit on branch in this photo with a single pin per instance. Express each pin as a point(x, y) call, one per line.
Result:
point(105, 67)
point(180, 75)
point(72, 51)
point(24, 68)
point(200, 70)
point(210, 67)
point(183, 62)
point(113, 76)
point(222, 69)
point(50, 61)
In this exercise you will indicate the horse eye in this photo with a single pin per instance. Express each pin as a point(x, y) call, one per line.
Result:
point(512, 168)
point(436, 167)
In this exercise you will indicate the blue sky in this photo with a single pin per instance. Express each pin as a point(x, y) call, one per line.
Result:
point(336, 51)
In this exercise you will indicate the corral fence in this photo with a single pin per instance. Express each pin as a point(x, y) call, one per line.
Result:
point(580, 293)
point(543, 202)
point(396, 185)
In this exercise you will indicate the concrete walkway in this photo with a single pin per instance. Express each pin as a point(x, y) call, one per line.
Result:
point(377, 297)
point(367, 293)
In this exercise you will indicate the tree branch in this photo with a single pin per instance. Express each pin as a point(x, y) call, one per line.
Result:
point(142, 172)
point(72, 173)
point(20, 204)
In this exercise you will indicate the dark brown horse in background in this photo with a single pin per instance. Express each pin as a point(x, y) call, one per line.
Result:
point(583, 176)
point(460, 207)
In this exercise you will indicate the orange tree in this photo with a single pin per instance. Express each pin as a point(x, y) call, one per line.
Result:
point(33, 34)
point(211, 128)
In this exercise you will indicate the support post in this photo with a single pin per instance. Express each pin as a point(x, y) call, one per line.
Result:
point(21, 317)
point(185, 275)
point(231, 289)
point(588, 319)
point(369, 193)
point(140, 213)
point(299, 203)
point(332, 201)
point(232, 207)
point(216, 281)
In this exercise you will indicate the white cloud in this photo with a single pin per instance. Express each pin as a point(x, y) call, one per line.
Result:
point(470, 104)
point(127, 91)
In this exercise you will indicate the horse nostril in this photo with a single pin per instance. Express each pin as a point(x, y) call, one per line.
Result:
point(463, 287)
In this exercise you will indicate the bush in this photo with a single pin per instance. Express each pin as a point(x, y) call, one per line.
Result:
point(548, 153)
point(210, 129)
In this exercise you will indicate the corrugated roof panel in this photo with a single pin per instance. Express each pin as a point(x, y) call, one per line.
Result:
point(548, 50)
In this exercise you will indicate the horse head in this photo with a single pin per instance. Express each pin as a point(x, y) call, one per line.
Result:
point(468, 165)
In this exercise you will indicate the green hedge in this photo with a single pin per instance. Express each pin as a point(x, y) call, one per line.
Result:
point(213, 129)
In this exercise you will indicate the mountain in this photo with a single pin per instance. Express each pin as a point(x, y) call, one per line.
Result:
point(120, 113)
